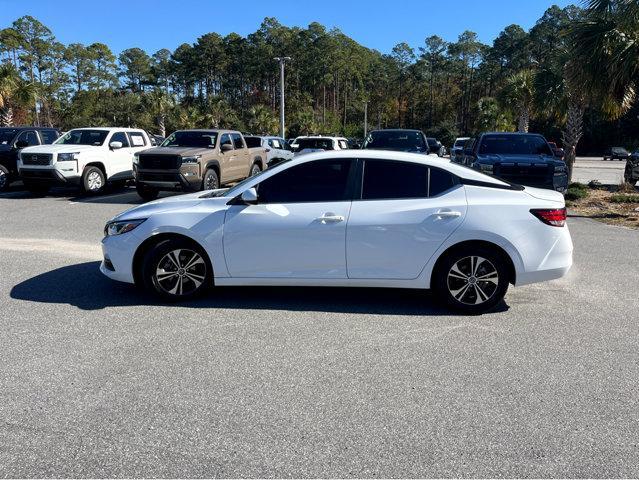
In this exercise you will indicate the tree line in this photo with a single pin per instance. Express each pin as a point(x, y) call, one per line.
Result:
point(551, 78)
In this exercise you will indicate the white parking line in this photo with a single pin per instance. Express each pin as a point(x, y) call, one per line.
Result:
point(65, 248)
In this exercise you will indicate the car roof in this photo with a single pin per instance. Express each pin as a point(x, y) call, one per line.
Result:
point(396, 130)
point(23, 127)
point(110, 129)
point(459, 170)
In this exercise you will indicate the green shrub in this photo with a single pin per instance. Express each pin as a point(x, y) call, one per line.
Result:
point(624, 198)
point(576, 191)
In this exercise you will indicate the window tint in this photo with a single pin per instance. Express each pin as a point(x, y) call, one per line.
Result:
point(514, 145)
point(137, 139)
point(120, 137)
point(29, 137)
point(226, 140)
point(387, 179)
point(49, 136)
point(440, 181)
point(237, 140)
point(319, 181)
point(253, 142)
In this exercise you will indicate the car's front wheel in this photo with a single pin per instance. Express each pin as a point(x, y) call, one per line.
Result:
point(471, 280)
point(176, 269)
point(4, 178)
point(211, 180)
point(93, 180)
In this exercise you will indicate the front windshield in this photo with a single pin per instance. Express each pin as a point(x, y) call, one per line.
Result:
point(315, 144)
point(6, 135)
point(514, 145)
point(396, 140)
point(83, 137)
point(194, 139)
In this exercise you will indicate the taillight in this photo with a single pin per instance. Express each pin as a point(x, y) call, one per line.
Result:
point(551, 216)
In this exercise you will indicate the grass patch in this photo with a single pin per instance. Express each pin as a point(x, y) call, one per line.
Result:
point(624, 198)
point(576, 191)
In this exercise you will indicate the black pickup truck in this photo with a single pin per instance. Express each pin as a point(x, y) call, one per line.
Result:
point(522, 158)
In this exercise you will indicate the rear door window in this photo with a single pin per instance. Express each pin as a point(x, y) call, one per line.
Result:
point(137, 139)
point(49, 136)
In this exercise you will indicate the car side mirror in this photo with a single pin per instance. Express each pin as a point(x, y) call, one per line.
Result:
point(21, 144)
point(249, 197)
point(226, 147)
point(115, 145)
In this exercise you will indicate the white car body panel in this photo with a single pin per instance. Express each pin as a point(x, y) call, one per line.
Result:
point(118, 163)
point(388, 243)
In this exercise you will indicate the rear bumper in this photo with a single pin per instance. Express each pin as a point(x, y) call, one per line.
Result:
point(556, 262)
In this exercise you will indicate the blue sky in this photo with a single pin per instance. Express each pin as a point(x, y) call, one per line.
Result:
point(152, 25)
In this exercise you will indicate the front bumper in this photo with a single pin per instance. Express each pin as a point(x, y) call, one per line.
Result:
point(118, 252)
point(50, 176)
point(176, 180)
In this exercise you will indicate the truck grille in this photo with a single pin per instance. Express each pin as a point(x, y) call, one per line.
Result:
point(36, 158)
point(534, 175)
point(159, 162)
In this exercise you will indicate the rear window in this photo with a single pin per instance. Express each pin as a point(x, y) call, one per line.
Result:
point(253, 142)
point(397, 140)
point(315, 143)
point(514, 145)
point(49, 136)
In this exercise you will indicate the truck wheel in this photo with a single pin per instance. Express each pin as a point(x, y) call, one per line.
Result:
point(255, 169)
point(93, 180)
point(4, 178)
point(36, 188)
point(146, 193)
point(211, 181)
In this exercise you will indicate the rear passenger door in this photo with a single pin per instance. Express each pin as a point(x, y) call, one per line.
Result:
point(241, 159)
point(403, 215)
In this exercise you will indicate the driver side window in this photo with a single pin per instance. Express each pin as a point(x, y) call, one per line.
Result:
point(226, 140)
point(120, 137)
point(29, 138)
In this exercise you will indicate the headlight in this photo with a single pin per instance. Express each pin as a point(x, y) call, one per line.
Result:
point(192, 159)
point(119, 227)
point(136, 157)
point(66, 157)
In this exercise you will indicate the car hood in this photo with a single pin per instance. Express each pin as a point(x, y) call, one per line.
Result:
point(59, 149)
point(503, 158)
point(169, 204)
point(183, 151)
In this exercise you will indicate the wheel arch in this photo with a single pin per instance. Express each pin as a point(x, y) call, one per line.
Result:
point(466, 244)
point(215, 165)
point(99, 164)
point(146, 245)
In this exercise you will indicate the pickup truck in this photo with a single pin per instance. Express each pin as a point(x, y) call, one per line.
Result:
point(14, 139)
point(191, 160)
point(521, 158)
point(88, 157)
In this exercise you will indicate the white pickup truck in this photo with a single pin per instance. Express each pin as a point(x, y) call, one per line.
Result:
point(88, 157)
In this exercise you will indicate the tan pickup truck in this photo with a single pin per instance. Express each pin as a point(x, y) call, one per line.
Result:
point(191, 160)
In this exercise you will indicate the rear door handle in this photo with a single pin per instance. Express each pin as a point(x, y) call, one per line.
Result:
point(330, 218)
point(447, 214)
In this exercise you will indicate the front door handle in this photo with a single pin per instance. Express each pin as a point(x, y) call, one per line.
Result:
point(447, 214)
point(330, 218)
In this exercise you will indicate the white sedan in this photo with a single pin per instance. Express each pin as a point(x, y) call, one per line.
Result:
point(348, 218)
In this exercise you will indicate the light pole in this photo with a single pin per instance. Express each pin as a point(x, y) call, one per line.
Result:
point(365, 119)
point(282, 60)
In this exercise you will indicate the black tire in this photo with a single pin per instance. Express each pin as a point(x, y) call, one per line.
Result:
point(36, 188)
point(93, 180)
point(210, 181)
point(255, 169)
point(167, 274)
point(4, 179)
point(146, 193)
point(461, 294)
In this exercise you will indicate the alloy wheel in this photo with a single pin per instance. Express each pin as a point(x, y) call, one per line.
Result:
point(255, 169)
point(3, 179)
point(94, 181)
point(180, 272)
point(472, 280)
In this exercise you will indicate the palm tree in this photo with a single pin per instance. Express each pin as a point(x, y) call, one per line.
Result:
point(262, 120)
point(520, 91)
point(13, 92)
point(605, 45)
point(159, 103)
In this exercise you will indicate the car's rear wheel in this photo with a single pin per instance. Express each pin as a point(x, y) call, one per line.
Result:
point(146, 193)
point(4, 178)
point(93, 180)
point(176, 269)
point(471, 280)
point(211, 180)
point(255, 169)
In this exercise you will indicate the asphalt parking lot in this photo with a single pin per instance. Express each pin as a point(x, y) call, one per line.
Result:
point(98, 380)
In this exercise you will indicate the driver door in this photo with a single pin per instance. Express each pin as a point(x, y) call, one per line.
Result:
point(297, 229)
